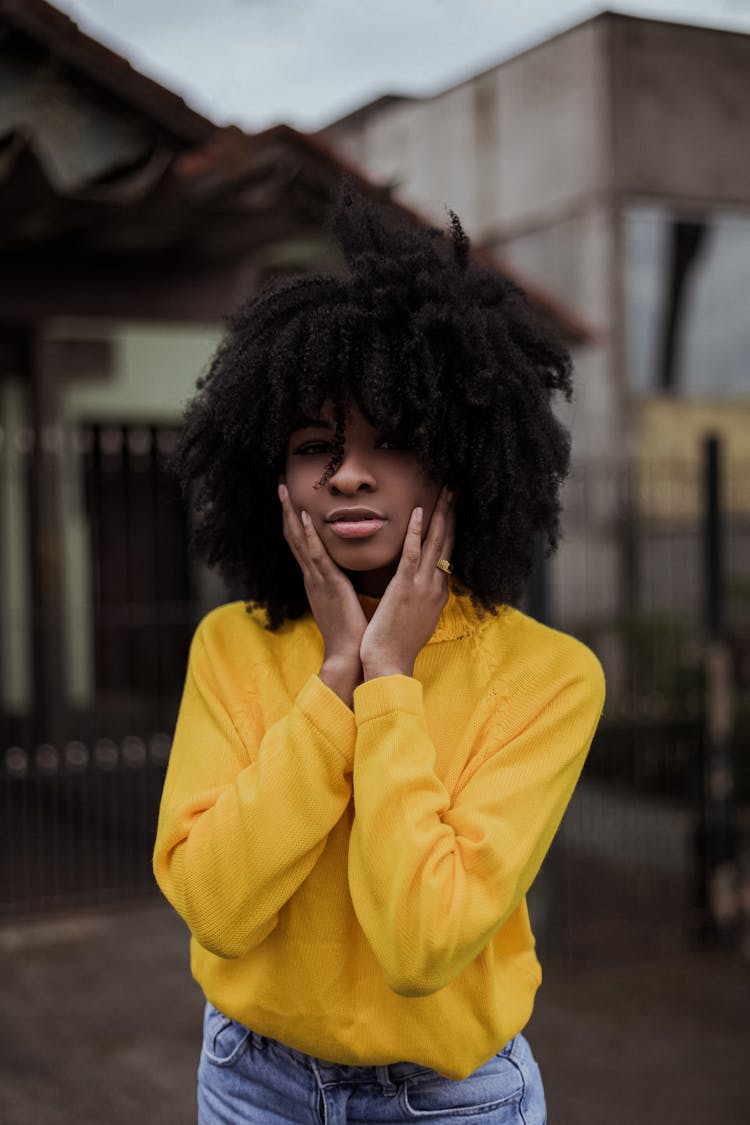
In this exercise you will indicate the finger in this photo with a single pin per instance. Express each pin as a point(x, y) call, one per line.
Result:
point(412, 548)
point(318, 558)
point(291, 525)
point(450, 537)
point(315, 549)
point(434, 546)
point(293, 529)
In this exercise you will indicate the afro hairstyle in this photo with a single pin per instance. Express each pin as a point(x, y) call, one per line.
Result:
point(423, 341)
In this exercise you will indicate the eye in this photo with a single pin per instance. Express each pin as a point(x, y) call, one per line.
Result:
point(394, 443)
point(314, 447)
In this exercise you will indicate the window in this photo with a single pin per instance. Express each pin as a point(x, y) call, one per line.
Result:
point(687, 292)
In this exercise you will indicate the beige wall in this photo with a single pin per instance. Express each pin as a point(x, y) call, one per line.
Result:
point(671, 435)
point(681, 111)
point(428, 148)
point(553, 106)
point(156, 366)
point(517, 145)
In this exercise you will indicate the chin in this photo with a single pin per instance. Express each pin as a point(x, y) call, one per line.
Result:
point(362, 560)
point(362, 565)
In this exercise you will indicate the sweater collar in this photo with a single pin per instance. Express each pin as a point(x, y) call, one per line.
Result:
point(458, 618)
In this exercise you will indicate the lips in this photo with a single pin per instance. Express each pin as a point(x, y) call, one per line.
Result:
point(353, 515)
point(355, 523)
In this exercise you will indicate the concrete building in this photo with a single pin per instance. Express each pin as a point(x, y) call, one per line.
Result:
point(610, 163)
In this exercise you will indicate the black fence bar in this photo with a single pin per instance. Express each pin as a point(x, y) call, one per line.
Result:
point(717, 835)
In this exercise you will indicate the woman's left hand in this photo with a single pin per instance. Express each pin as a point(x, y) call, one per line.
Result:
point(410, 608)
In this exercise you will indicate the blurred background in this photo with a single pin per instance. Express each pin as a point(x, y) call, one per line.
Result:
point(158, 163)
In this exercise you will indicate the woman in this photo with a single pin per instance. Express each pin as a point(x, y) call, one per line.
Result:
point(374, 749)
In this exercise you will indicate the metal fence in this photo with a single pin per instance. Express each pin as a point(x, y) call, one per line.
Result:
point(657, 580)
point(78, 822)
point(624, 874)
point(628, 869)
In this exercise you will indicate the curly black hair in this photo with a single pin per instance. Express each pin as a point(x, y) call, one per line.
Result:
point(423, 341)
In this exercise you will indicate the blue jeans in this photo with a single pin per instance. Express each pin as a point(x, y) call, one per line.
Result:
point(246, 1079)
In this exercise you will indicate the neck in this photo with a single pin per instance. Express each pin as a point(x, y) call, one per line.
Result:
point(372, 583)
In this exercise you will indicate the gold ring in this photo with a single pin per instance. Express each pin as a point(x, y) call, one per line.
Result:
point(443, 564)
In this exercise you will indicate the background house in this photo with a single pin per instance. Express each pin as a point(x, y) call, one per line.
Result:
point(129, 227)
point(611, 164)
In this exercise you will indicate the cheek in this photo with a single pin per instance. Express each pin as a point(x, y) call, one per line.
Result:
point(299, 480)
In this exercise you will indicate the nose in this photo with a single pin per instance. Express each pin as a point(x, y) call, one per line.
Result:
point(354, 473)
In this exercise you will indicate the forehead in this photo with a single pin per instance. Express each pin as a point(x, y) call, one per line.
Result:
point(325, 418)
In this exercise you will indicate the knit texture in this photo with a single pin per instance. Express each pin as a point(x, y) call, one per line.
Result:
point(354, 882)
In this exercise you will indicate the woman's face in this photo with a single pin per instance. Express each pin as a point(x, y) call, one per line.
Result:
point(377, 475)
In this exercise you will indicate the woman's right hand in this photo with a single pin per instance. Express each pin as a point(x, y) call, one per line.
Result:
point(333, 601)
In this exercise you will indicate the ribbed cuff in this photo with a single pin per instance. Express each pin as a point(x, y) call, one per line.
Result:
point(386, 694)
point(329, 715)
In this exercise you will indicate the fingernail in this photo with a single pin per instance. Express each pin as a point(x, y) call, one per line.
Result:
point(418, 515)
point(305, 518)
point(283, 493)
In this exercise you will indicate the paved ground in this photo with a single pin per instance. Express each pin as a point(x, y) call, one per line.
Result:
point(101, 1027)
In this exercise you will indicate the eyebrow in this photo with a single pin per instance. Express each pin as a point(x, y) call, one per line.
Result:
point(305, 423)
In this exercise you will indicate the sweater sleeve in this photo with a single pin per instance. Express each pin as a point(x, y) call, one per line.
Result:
point(434, 875)
point(244, 818)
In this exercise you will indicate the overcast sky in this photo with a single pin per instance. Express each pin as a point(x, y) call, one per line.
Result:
point(307, 62)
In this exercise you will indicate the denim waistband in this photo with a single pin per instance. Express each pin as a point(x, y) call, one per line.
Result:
point(389, 1075)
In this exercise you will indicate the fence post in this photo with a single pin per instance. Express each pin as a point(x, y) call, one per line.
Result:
point(548, 893)
point(717, 833)
point(46, 511)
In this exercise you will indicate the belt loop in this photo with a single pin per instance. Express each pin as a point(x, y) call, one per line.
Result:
point(384, 1078)
point(257, 1040)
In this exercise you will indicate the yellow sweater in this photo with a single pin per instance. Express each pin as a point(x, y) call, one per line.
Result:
point(354, 882)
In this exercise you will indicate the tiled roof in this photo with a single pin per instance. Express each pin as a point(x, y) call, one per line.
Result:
point(100, 160)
